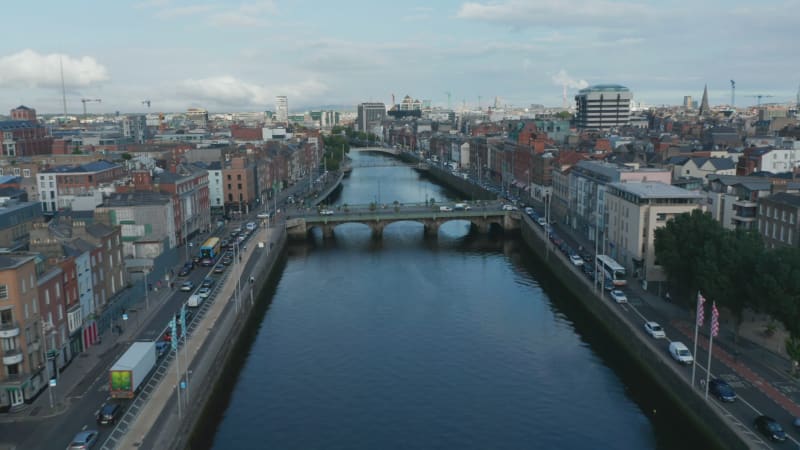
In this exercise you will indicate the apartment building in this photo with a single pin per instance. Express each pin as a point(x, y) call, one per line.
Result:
point(779, 220)
point(603, 107)
point(22, 352)
point(239, 185)
point(635, 210)
point(16, 221)
point(77, 187)
point(24, 135)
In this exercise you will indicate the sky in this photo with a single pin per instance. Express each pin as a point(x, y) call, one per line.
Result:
point(228, 56)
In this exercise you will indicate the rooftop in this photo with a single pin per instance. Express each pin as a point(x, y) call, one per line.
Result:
point(785, 198)
point(654, 190)
point(92, 167)
point(139, 198)
point(14, 260)
point(604, 88)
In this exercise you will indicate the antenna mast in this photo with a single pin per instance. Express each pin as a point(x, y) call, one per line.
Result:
point(733, 94)
point(63, 90)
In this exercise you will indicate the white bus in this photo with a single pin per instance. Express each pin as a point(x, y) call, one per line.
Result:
point(612, 270)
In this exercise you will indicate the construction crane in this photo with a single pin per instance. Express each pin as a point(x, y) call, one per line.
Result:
point(733, 94)
point(88, 100)
point(146, 102)
point(759, 97)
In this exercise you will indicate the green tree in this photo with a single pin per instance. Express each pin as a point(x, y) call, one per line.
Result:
point(681, 247)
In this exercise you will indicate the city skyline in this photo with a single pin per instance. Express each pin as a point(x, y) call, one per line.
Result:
point(238, 56)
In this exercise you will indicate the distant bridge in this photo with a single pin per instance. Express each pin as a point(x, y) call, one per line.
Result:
point(391, 151)
point(482, 217)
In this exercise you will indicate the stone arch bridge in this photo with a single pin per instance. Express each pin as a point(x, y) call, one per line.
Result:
point(299, 227)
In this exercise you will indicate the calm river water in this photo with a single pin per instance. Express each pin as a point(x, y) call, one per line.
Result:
point(463, 342)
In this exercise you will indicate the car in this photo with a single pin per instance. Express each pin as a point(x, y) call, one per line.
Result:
point(187, 286)
point(108, 414)
point(326, 212)
point(509, 207)
point(262, 215)
point(575, 259)
point(83, 440)
point(680, 352)
point(528, 210)
point(445, 209)
point(541, 222)
point(461, 207)
point(219, 268)
point(161, 348)
point(226, 261)
point(208, 282)
point(204, 292)
point(654, 330)
point(770, 428)
point(722, 390)
point(196, 259)
point(618, 296)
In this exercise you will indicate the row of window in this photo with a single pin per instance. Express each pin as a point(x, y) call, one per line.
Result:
point(16, 171)
point(776, 213)
point(783, 235)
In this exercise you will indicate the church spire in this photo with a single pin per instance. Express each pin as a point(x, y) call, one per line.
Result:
point(704, 108)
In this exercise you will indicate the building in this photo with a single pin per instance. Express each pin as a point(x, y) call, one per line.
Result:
point(16, 222)
point(698, 167)
point(77, 187)
point(216, 191)
point(282, 109)
point(369, 117)
point(52, 308)
point(147, 220)
point(603, 106)
point(197, 117)
point(239, 185)
point(768, 159)
point(779, 220)
point(135, 128)
point(733, 200)
point(587, 182)
point(24, 135)
point(635, 210)
point(188, 185)
point(23, 374)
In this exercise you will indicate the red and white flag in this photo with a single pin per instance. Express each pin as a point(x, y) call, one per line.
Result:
point(714, 320)
point(700, 311)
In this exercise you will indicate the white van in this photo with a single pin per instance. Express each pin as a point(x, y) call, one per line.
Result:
point(194, 301)
point(251, 226)
point(680, 352)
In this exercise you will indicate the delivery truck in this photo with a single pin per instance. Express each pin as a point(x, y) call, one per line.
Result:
point(131, 369)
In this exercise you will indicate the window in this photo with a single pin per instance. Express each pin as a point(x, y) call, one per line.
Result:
point(47, 296)
point(26, 173)
point(3, 291)
point(239, 176)
point(23, 286)
point(16, 171)
point(35, 305)
point(60, 312)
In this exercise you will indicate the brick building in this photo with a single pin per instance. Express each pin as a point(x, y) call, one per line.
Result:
point(24, 135)
point(779, 220)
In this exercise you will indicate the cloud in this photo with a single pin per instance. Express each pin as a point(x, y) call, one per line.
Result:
point(229, 90)
point(563, 79)
point(247, 14)
point(31, 69)
point(532, 13)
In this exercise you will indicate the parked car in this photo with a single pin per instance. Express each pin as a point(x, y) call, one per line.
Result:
point(722, 390)
point(187, 286)
point(226, 261)
point(588, 270)
point(219, 269)
point(770, 428)
point(654, 330)
point(541, 222)
point(208, 282)
point(680, 352)
point(445, 209)
point(204, 292)
point(618, 296)
point(83, 440)
point(509, 207)
point(575, 259)
point(108, 414)
point(326, 212)
point(186, 269)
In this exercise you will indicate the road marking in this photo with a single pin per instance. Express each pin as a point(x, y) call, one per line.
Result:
point(84, 427)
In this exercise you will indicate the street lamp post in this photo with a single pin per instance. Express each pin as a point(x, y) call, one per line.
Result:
point(50, 389)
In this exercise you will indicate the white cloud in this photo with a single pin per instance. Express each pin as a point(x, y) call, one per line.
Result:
point(31, 69)
point(229, 90)
point(247, 14)
point(530, 13)
point(563, 79)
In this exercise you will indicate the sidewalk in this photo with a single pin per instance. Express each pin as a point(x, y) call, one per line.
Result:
point(218, 319)
point(85, 367)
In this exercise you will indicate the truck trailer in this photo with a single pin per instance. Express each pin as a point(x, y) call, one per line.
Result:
point(127, 374)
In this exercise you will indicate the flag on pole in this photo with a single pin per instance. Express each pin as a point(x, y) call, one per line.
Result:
point(174, 340)
point(714, 320)
point(700, 312)
point(183, 320)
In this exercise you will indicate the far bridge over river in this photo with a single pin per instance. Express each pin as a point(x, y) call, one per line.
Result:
point(482, 217)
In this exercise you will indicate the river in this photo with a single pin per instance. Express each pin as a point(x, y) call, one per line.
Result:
point(460, 342)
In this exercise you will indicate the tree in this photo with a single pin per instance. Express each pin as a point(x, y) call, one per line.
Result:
point(126, 156)
point(681, 247)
